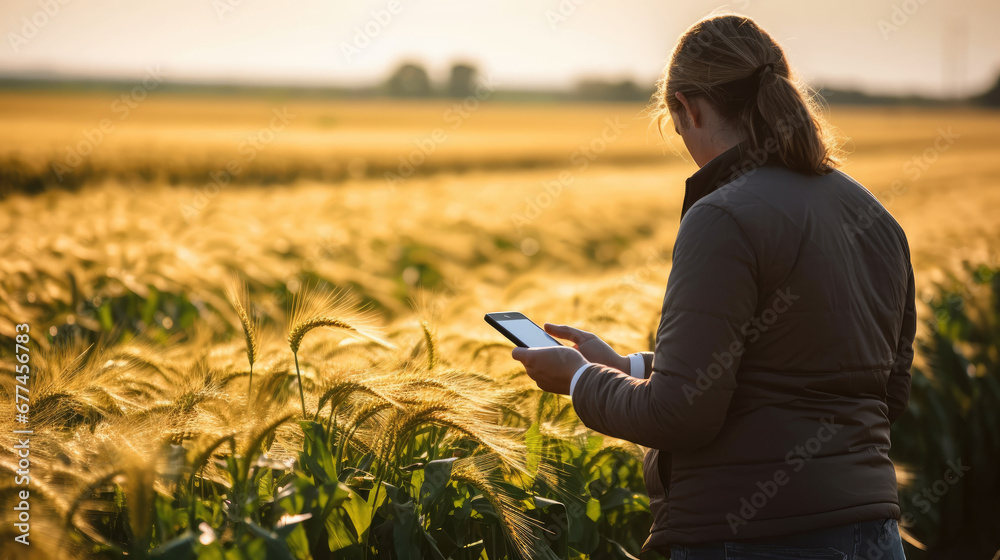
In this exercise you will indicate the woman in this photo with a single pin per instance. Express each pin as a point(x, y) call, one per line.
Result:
point(785, 341)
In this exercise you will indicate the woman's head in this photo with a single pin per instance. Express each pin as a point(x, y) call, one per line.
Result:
point(734, 70)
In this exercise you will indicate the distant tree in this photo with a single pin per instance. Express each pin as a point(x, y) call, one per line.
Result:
point(409, 80)
point(626, 89)
point(601, 90)
point(461, 82)
point(990, 97)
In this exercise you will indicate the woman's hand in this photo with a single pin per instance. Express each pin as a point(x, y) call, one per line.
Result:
point(552, 368)
point(591, 346)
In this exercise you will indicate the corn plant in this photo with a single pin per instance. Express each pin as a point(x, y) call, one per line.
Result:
point(950, 433)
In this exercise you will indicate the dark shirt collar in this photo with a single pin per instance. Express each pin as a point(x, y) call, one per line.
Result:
point(720, 170)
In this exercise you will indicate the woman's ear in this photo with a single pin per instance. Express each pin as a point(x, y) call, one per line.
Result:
point(692, 109)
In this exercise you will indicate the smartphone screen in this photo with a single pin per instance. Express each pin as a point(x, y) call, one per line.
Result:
point(521, 330)
point(529, 333)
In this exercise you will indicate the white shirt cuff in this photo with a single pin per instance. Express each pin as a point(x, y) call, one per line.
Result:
point(576, 376)
point(638, 365)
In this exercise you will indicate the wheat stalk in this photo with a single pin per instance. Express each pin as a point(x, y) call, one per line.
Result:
point(239, 296)
point(315, 307)
point(299, 331)
point(517, 525)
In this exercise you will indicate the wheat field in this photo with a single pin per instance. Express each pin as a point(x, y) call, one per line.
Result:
point(171, 251)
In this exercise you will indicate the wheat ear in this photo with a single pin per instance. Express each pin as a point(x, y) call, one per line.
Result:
point(429, 339)
point(239, 296)
point(299, 330)
point(315, 307)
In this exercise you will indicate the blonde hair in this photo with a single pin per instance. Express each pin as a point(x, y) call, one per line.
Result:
point(745, 75)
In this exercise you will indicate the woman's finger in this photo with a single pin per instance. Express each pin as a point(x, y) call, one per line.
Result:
point(568, 333)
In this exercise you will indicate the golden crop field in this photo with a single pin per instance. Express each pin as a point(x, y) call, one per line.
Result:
point(427, 214)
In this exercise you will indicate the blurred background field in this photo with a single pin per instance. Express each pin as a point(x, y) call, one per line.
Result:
point(564, 211)
point(185, 185)
point(364, 193)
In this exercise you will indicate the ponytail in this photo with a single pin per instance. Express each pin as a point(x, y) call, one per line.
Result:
point(743, 72)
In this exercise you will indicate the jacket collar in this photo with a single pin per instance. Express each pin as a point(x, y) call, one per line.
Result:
point(720, 170)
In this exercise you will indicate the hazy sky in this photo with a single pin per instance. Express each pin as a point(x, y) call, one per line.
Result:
point(519, 42)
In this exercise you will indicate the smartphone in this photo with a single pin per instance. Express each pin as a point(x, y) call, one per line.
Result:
point(520, 330)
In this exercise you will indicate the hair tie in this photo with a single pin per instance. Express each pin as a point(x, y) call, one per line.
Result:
point(739, 90)
point(761, 69)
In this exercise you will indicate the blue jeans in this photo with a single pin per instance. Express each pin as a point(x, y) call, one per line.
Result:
point(867, 540)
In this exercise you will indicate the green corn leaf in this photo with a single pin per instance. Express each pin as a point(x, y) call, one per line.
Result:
point(359, 512)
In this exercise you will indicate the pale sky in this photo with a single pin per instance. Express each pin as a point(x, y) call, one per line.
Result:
point(516, 41)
